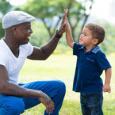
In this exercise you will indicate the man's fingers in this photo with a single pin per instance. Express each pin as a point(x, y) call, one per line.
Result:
point(50, 107)
point(63, 23)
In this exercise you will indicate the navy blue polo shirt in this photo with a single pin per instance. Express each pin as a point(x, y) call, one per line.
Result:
point(89, 67)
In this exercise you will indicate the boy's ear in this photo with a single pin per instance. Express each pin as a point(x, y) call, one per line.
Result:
point(95, 41)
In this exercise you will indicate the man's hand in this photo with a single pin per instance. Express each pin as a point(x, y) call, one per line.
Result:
point(47, 102)
point(63, 24)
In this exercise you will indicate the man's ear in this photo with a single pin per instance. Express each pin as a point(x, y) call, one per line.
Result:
point(13, 28)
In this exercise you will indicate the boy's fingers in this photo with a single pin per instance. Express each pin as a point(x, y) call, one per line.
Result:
point(63, 23)
point(65, 16)
point(66, 12)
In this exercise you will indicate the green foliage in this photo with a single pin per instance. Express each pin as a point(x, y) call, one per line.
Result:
point(1, 31)
point(51, 11)
point(4, 7)
point(39, 35)
point(109, 42)
point(45, 8)
point(110, 35)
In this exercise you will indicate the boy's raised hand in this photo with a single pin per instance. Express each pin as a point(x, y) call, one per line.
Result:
point(66, 22)
point(65, 15)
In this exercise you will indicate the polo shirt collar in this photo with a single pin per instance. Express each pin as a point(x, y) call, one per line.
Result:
point(95, 49)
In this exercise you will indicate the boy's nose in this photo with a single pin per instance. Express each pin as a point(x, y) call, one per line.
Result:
point(82, 35)
point(29, 31)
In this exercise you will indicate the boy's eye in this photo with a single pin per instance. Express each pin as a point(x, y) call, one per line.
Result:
point(83, 34)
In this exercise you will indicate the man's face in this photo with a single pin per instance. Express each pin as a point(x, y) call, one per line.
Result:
point(22, 33)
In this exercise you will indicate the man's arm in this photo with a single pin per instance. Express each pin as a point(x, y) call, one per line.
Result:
point(106, 86)
point(7, 88)
point(45, 51)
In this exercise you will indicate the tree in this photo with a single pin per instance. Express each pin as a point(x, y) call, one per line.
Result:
point(109, 42)
point(4, 7)
point(51, 11)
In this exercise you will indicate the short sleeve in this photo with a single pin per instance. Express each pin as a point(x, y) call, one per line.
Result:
point(77, 48)
point(3, 60)
point(102, 61)
point(30, 47)
point(27, 49)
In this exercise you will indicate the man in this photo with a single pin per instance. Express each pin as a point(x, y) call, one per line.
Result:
point(14, 49)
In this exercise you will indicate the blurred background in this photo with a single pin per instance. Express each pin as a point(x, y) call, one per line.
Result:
point(61, 64)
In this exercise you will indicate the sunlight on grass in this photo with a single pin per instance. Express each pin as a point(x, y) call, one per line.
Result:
point(62, 67)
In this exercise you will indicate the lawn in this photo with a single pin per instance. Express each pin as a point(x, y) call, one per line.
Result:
point(62, 67)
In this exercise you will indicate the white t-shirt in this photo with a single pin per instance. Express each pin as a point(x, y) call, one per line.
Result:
point(12, 63)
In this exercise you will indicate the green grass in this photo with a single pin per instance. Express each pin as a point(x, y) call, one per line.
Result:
point(62, 67)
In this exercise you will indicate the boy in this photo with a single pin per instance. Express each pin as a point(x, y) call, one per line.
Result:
point(91, 62)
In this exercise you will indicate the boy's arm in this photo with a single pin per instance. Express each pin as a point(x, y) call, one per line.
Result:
point(69, 37)
point(106, 87)
point(68, 30)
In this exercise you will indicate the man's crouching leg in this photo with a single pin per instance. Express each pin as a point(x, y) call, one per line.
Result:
point(55, 89)
point(10, 105)
point(57, 94)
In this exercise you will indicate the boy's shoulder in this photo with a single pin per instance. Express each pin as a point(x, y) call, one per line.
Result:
point(97, 50)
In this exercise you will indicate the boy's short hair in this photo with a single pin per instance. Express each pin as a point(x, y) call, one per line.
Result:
point(97, 31)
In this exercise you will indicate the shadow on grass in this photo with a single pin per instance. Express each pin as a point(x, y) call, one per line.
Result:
point(71, 108)
point(68, 108)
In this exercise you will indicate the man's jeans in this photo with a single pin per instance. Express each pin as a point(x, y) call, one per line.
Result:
point(12, 105)
point(91, 104)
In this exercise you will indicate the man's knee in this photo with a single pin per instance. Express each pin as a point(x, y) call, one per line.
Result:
point(61, 87)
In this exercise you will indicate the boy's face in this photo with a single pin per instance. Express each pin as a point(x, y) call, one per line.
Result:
point(86, 38)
